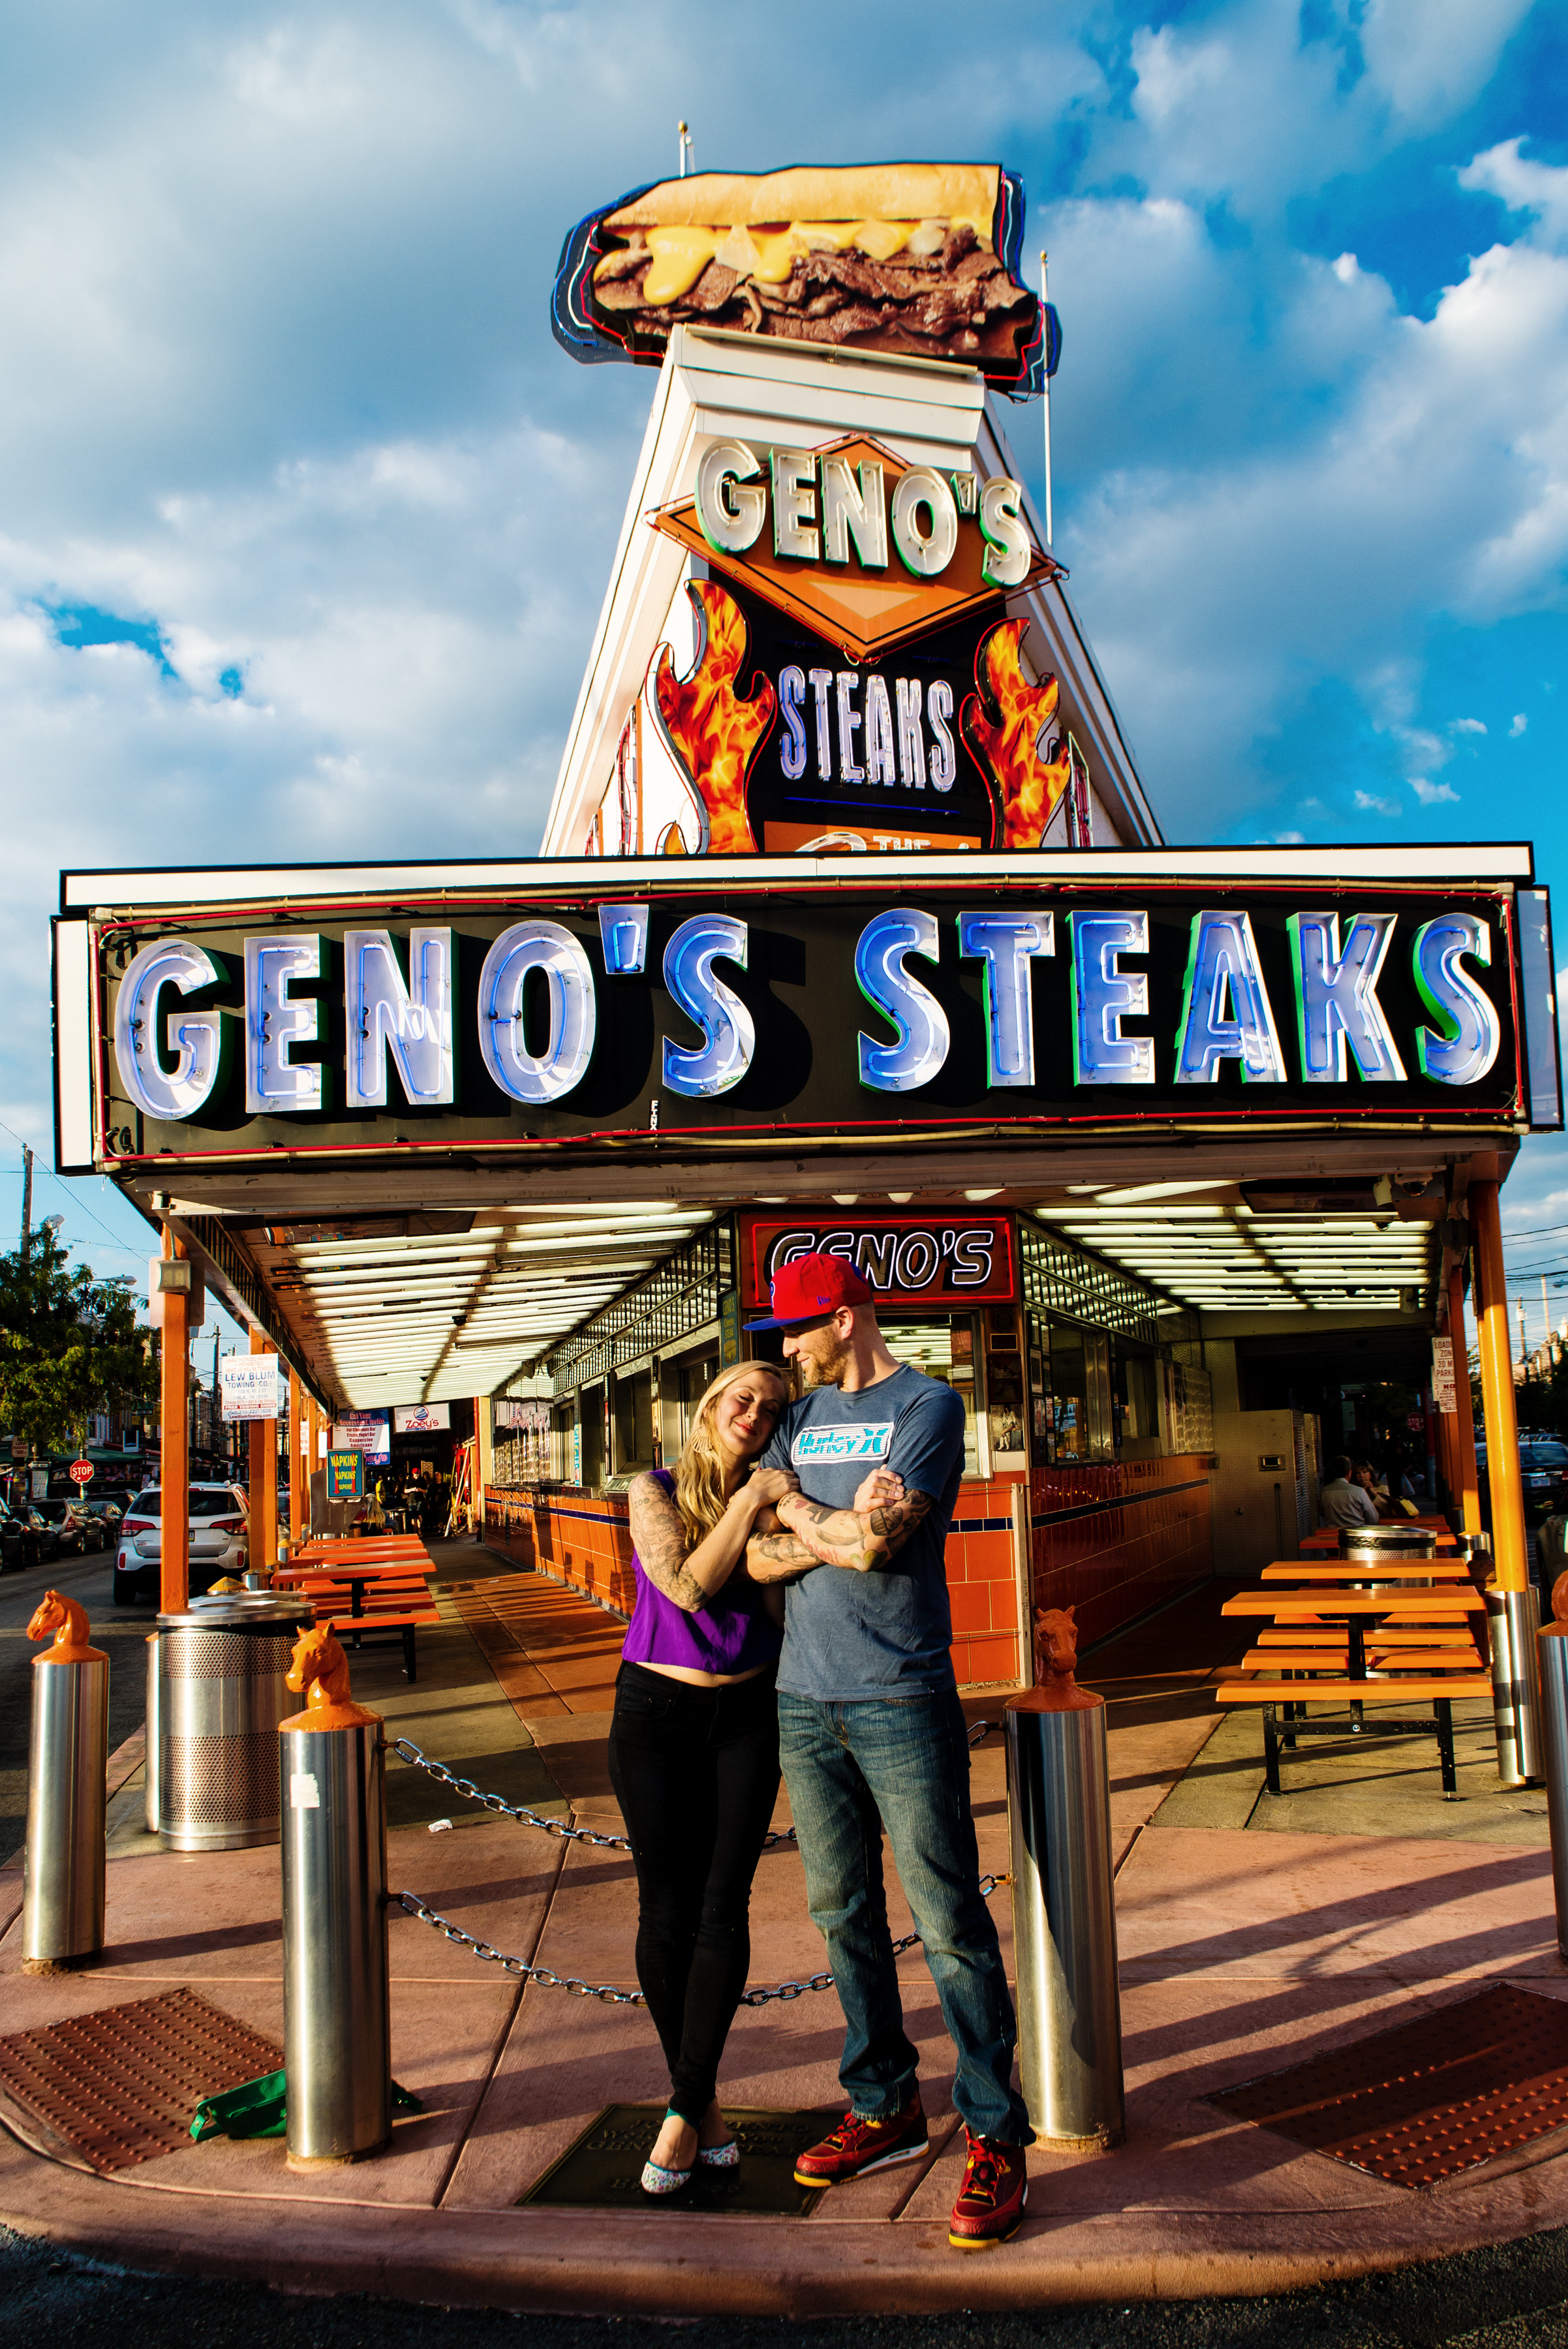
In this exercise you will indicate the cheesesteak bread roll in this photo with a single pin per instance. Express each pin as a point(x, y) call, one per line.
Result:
point(919, 258)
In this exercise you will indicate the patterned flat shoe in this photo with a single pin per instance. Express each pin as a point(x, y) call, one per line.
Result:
point(719, 2156)
point(656, 2180)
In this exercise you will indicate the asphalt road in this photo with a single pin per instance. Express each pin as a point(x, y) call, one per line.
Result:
point(121, 1631)
point(1512, 2298)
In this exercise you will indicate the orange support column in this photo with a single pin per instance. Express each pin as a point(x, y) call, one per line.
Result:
point(1464, 1480)
point(298, 1472)
point(1508, 1538)
point(174, 1445)
point(263, 1525)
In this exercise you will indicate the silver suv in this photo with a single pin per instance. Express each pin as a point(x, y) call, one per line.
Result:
point(219, 1544)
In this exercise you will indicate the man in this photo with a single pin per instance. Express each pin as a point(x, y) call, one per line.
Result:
point(1345, 1500)
point(872, 1737)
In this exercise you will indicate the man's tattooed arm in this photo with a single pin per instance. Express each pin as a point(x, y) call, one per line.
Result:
point(660, 1544)
point(860, 1540)
point(775, 1556)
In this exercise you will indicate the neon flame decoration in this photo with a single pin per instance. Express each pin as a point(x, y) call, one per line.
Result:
point(712, 733)
point(1003, 724)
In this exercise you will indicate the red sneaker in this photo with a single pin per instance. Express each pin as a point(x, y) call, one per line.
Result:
point(989, 2205)
point(856, 2146)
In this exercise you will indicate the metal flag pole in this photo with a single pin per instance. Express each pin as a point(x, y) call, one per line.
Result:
point(1045, 334)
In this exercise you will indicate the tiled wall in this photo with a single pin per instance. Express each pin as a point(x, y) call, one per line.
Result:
point(1110, 1541)
point(1113, 1541)
point(582, 1537)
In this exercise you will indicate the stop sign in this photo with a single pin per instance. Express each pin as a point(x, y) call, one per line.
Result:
point(80, 1471)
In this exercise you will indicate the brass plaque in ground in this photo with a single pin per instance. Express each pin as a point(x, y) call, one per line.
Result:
point(1430, 2098)
point(603, 2170)
point(107, 2090)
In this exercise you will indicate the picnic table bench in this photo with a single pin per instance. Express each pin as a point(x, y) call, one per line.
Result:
point(381, 1595)
point(1330, 1641)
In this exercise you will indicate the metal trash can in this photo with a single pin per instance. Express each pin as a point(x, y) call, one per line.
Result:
point(1375, 1545)
point(220, 1697)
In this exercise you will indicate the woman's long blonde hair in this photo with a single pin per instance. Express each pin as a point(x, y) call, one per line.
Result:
point(700, 1471)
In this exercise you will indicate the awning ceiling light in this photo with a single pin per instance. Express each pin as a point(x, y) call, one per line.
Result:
point(1225, 1259)
point(429, 1318)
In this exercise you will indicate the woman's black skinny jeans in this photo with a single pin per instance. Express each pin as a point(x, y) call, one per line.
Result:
point(696, 1774)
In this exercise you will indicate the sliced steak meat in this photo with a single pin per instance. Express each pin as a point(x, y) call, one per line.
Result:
point(616, 266)
point(712, 290)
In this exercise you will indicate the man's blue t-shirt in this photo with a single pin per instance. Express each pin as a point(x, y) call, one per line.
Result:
point(887, 1632)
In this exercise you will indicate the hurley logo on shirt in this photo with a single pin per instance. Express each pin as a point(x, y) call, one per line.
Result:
point(842, 1443)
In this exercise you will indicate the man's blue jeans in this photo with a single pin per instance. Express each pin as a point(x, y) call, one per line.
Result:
point(901, 1763)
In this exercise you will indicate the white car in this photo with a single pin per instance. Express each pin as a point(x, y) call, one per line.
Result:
point(219, 1541)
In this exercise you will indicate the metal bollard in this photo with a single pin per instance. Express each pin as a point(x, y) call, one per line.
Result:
point(335, 2024)
point(1063, 1912)
point(1513, 1623)
point(150, 1774)
point(1553, 1655)
point(62, 1901)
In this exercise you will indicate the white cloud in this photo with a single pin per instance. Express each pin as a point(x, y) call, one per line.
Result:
point(1520, 722)
point(1367, 801)
point(1431, 794)
point(1522, 185)
point(1469, 725)
point(1430, 56)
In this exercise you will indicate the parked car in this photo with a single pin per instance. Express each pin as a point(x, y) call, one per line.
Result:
point(21, 1539)
point(76, 1532)
point(1542, 1472)
point(218, 1541)
point(108, 1514)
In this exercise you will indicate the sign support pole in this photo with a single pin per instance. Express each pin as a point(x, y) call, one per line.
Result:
point(174, 1447)
point(299, 1466)
point(1464, 1428)
point(262, 1524)
point(1044, 297)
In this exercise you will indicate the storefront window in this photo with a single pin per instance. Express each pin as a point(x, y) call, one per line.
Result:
point(591, 1405)
point(943, 1350)
point(696, 1378)
point(634, 1423)
point(1134, 1397)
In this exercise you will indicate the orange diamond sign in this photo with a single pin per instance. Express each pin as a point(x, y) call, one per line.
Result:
point(866, 610)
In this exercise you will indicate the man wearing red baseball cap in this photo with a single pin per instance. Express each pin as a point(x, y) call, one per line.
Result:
point(872, 1737)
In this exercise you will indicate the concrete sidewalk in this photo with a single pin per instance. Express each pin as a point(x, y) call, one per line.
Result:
point(1246, 1944)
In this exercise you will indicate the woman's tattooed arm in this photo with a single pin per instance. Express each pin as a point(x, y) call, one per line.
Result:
point(660, 1544)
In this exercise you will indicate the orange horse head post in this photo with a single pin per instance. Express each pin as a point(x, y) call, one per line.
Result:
point(320, 1667)
point(712, 734)
point(69, 1622)
point(1056, 1666)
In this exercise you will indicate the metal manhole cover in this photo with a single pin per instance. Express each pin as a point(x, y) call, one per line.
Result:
point(1430, 2098)
point(603, 2169)
point(107, 2090)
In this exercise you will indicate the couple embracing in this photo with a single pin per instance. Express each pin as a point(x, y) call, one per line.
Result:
point(792, 1607)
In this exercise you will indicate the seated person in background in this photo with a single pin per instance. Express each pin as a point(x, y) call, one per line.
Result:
point(1343, 1502)
point(1374, 1486)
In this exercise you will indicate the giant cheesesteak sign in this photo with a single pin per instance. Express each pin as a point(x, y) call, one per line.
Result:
point(728, 1015)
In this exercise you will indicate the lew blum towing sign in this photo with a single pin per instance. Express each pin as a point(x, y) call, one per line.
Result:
point(746, 1003)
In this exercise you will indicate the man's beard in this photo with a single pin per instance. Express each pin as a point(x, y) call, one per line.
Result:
point(824, 1370)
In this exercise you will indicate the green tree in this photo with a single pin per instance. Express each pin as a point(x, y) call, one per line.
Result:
point(69, 1344)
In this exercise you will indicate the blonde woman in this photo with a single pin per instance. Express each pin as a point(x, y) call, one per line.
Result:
point(694, 1747)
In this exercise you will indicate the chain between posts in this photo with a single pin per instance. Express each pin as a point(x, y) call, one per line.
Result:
point(407, 1751)
point(607, 1993)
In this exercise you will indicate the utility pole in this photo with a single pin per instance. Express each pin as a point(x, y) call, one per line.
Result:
point(26, 1199)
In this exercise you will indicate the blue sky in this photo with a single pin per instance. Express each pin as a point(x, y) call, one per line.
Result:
point(305, 520)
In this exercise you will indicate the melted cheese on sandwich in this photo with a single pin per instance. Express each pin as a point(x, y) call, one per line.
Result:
point(680, 256)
